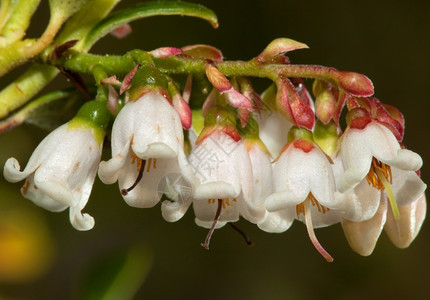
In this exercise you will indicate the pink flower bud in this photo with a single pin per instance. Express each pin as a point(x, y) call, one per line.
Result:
point(355, 84)
point(279, 47)
point(203, 52)
point(293, 107)
point(325, 101)
point(165, 52)
point(126, 83)
point(121, 31)
point(221, 83)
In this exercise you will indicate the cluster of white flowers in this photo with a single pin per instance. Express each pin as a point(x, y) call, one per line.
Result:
point(270, 174)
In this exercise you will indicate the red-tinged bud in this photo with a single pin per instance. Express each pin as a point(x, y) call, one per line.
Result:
point(283, 100)
point(380, 113)
point(238, 100)
point(180, 105)
point(395, 113)
point(112, 103)
point(248, 91)
point(183, 110)
point(351, 102)
point(209, 103)
point(218, 80)
point(279, 47)
point(126, 83)
point(244, 115)
point(325, 101)
point(358, 118)
point(302, 90)
point(203, 52)
point(355, 84)
point(223, 85)
point(341, 100)
point(292, 106)
point(165, 52)
point(121, 31)
point(186, 93)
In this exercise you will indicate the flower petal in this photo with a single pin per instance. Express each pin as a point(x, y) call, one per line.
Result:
point(404, 230)
point(208, 224)
point(273, 131)
point(80, 221)
point(407, 186)
point(277, 222)
point(361, 203)
point(12, 171)
point(405, 160)
point(362, 236)
point(109, 171)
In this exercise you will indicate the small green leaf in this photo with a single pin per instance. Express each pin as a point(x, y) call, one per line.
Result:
point(148, 9)
point(15, 18)
point(48, 111)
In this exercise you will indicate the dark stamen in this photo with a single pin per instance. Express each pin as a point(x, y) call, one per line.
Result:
point(124, 192)
point(211, 231)
point(245, 236)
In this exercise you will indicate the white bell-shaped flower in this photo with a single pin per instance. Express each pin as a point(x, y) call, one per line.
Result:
point(147, 145)
point(360, 203)
point(403, 230)
point(61, 171)
point(304, 186)
point(372, 149)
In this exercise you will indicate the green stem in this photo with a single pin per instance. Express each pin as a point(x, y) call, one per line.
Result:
point(351, 82)
point(83, 63)
point(102, 90)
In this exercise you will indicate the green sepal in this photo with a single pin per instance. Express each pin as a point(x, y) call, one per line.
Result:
point(269, 97)
point(148, 9)
point(297, 133)
point(326, 137)
point(220, 116)
point(250, 131)
point(93, 115)
point(145, 78)
point(250, 135)
point(198, 120)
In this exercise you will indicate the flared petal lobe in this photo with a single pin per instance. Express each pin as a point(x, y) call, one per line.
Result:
point(61, 172)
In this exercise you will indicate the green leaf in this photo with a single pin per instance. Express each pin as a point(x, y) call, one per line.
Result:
point(19, 92)
point(15, 18)
point(81, 23)
point(48, 111)
point(148, 9)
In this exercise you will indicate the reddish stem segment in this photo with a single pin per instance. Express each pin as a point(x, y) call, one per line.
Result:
point(212, 229)
point(312, 236)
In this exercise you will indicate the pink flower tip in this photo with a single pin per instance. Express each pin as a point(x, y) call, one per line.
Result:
point(165, 52)
point(121, 31)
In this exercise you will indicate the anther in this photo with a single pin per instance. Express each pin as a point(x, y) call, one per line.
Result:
point(124, 192)
point(212, 229)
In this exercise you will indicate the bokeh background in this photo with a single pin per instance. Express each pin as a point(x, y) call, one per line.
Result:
point(135, 250)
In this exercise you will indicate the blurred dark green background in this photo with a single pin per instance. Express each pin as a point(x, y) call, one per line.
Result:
point(388, 41)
